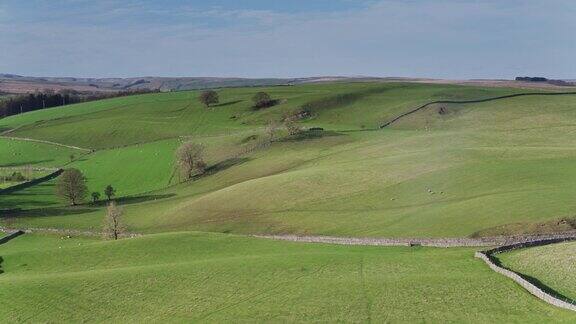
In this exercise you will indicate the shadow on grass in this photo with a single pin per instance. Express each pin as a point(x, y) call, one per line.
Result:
point(221, 166)
point(308, 135)
point(132, 200)
point(228, 103)
point(536, 282)
point(9, 214)
point(1, 260)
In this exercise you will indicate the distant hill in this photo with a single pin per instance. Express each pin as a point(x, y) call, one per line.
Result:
point(10, 83)
point(16, 84)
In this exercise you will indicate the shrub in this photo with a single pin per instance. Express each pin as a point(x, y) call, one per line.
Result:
point(209, 97)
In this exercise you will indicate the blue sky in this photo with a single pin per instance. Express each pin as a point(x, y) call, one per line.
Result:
point(457, 39)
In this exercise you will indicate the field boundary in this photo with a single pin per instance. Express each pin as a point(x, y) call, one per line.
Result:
point(61, 231)
point(31, 183)
point(395, 119)
point(432, 242)
point(540, 290)
point(45, 142)
point(10, 237)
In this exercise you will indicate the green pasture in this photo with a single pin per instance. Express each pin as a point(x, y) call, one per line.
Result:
point(552, 265)
point(139, 119)
point(222, 278)
point(473, 169)
point(17, 153)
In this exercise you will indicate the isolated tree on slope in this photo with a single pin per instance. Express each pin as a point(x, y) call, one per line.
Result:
point(113, 225)
point(261, 100)
point(110, 192)
point(71, 186)
point(190, 160)
point(209, 97)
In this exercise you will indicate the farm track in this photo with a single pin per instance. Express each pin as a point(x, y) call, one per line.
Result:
point(45, 142)
point(395, 119)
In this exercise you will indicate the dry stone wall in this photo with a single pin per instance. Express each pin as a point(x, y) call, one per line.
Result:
point(487, 256)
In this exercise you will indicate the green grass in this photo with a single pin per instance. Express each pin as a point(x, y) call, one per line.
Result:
point(139, 119)
point(492, 168)
point(15, 153)
point(219, 278)
point(552, 265)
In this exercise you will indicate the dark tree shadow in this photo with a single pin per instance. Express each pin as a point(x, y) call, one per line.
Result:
point(228, 103)
point(12, 212)
point(1, 260)
point(309, 134)
point(221, 166)
point(45, 212)
point(133, 200)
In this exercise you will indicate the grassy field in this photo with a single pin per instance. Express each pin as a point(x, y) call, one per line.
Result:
point(17, 153)
point(139, 119)
point(222, 278)
point(552, 265)
point(500, 167)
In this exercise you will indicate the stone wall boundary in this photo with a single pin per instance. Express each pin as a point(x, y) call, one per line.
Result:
point(395, 119)
point(540, 291)
point(10, 236)
point(520, 240)
point(31, 183)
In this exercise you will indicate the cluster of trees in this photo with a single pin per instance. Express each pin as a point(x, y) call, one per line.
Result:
point(71, 186)
point(259, 100)
point(35, 101)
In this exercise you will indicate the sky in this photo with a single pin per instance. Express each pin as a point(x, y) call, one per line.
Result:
point(452, 39)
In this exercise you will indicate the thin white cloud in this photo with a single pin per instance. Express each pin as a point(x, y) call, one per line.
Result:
point(445, 38)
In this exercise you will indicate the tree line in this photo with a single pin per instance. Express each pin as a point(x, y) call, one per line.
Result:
point(35, 101)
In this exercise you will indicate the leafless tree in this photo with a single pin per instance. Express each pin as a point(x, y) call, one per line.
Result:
point(291, 126)
point(190, 160)
point(71, 185)
point(113, 225)
point(271, 130)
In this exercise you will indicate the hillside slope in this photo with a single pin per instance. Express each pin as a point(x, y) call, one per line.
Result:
point(450, 170)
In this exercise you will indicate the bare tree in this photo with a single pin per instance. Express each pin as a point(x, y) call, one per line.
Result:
point(271, 130)
point(71, 185)
point(113, 225)
point(190, 160)
point(291, 126)
point(209, 97)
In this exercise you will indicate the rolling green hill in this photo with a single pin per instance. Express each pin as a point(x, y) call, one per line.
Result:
point(500, 167)
point(224, 278)
point(448, 170)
